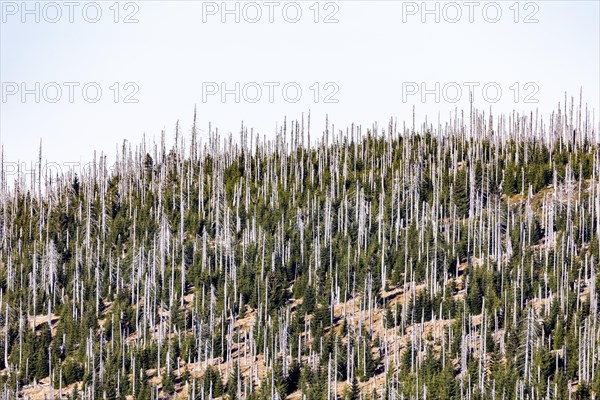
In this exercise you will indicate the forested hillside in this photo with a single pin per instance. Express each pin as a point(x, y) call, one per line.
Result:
point(440, 261)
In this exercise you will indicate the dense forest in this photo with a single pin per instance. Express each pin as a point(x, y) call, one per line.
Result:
point(448, 260)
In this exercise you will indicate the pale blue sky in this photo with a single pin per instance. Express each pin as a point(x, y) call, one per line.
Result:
point(367, 54)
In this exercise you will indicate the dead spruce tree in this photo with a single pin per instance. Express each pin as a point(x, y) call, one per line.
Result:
point(448, 260)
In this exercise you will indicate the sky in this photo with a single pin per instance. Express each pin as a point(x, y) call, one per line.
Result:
point(85, 76)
